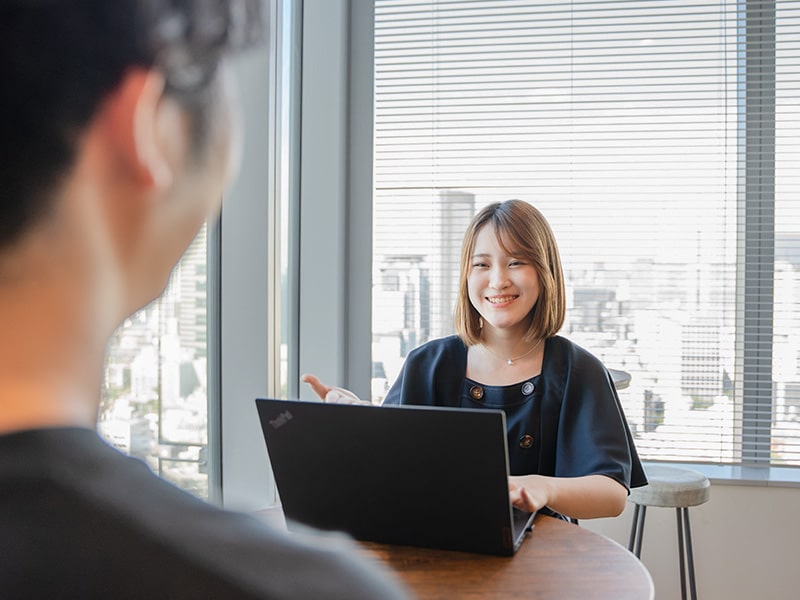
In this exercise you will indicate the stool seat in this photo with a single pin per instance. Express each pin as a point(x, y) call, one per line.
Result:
point(672, 487)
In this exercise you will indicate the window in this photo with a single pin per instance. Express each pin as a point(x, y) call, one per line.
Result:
point(162, 398)
point(661, 138)
point(155, 397)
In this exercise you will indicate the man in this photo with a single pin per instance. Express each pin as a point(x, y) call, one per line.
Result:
point(118, 132)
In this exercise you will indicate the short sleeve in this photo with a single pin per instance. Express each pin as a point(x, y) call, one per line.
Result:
point(593, 433)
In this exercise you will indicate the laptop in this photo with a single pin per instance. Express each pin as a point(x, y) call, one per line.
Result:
point(409, 475)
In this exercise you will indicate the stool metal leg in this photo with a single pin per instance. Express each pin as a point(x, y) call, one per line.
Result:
point(681, 554)
point(637, 530)
point(632, 538)
point(689, 553)
point(640, 535)
point(685, 553)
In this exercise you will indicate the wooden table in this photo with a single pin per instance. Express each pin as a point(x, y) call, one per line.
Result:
point(559, 560)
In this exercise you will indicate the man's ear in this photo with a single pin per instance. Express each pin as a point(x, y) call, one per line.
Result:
point(133, 126)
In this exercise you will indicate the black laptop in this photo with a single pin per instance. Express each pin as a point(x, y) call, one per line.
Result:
point(409, 475)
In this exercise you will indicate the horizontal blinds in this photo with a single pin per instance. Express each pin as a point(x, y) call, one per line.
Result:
point(660, 138)
point(783, 412)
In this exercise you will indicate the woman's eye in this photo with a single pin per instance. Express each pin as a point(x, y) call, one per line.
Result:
point(479, 265)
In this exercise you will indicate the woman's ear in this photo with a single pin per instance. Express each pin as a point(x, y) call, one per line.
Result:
point(133, 126)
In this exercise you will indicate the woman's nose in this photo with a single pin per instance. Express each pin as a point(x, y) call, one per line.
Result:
point(498, 279)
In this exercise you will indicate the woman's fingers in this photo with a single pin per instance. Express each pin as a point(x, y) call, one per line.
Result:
point(526, 502)
point(319, 388)
point(522, 498)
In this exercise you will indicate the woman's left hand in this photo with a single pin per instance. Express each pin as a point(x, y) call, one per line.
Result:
point(529, 495)
point(585, 497)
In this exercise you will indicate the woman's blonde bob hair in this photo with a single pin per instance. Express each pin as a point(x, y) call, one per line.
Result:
point(524, 233)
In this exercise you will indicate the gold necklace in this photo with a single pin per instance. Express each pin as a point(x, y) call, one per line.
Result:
point(510, 361)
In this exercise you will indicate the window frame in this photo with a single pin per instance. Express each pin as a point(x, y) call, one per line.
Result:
point(756, 255)
point(245, 339)
point(335, 218)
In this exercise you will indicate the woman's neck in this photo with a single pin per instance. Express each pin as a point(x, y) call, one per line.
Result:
point(486, 365)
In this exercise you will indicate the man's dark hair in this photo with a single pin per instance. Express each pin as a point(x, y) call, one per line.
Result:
point(59, 59)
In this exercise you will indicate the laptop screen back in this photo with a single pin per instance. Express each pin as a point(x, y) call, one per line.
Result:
point(421, 476)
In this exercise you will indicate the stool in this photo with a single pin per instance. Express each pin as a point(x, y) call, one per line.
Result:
point(670, 487)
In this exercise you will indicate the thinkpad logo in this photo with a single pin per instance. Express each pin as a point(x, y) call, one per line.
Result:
point(281, 419)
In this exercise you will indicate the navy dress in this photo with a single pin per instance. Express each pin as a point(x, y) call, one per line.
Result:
point(565, 422)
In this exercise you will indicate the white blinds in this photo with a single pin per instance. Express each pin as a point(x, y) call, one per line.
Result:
point(661, 139)
point(783, 408)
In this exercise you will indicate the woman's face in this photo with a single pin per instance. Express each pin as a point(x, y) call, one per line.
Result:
point(502, 288)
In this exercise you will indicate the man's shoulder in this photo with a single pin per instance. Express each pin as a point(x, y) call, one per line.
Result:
point(95, 506)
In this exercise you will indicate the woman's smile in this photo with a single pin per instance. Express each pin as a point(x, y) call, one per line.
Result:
point(500, 301)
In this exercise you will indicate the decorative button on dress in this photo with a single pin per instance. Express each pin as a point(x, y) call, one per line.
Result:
point(518, 402)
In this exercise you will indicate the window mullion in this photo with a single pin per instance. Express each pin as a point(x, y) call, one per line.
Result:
point(757, 224)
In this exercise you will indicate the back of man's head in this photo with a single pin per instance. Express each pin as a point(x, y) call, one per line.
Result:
point(59, 59)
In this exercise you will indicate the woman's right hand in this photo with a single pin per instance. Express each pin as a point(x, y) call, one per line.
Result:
point(331, 394)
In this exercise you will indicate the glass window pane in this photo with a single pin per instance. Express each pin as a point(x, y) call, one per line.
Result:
point(155, 396)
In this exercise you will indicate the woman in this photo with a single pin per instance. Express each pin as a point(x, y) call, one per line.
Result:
point(570, 449)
